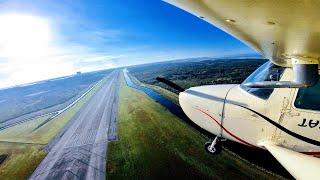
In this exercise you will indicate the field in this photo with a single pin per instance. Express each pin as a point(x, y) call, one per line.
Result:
point(188, 74)
point(21, 161)
point(46, 96)
point(30, 132)
point(23, 143)
point(155, 144)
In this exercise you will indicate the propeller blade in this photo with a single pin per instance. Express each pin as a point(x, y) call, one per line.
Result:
point(170, 84)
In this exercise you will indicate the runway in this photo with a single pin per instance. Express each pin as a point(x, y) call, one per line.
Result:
point(79, 150)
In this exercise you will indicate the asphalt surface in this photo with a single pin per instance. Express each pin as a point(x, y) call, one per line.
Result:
point(79, 150)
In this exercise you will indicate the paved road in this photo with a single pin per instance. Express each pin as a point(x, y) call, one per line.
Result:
point(79, 150)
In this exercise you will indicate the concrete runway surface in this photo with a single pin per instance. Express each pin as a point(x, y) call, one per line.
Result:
point(79, 150)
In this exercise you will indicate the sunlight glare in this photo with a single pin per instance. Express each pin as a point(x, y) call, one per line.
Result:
point(23, 36)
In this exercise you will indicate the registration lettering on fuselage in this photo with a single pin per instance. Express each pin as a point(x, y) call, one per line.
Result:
point(309, 123)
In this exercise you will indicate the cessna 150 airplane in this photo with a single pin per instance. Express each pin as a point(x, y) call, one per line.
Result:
point(276, 108)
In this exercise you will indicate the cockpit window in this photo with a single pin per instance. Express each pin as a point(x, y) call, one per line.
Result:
point(267, 72)
point(308, 98)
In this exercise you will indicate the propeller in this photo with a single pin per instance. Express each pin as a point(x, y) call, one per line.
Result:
point(170, 84)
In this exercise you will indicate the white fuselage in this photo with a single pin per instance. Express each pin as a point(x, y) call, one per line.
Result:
point(252, 116)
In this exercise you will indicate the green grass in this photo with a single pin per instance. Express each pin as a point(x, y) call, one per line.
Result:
point(22, 161)
point(21, 132)
point(155, 144)
point(173, 97)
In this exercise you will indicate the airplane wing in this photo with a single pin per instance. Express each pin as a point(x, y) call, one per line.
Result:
point(300, 166)
point(280, 30)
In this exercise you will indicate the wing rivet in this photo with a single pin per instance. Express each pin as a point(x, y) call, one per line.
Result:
point(230, 20)
point(271, 23)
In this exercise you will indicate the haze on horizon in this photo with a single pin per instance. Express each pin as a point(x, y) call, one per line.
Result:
point(43, 39)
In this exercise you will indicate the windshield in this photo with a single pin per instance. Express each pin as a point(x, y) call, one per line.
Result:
point(267, 72)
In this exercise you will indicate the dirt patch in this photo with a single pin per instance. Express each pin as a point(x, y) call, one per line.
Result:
point(111, 167)
point(130, 108)
point(142, 137)
point(194, 151)
point(142, 116)
point(3, 157)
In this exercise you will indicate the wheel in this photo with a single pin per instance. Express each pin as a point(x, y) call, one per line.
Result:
point(216, 149)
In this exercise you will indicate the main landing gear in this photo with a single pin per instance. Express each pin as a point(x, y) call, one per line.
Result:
point(213, 147)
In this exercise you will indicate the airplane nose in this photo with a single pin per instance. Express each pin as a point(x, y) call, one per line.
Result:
point(204, 105)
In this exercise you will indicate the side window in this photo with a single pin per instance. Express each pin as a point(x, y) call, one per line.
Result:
point(267, 72)
point(308, 98)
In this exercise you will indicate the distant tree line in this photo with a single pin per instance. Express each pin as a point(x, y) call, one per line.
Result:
point(188, 74)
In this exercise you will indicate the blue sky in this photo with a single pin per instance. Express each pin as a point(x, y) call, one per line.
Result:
point(93, 35)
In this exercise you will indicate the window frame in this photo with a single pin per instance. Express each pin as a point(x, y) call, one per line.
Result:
point(293, 104)
point(246, 89)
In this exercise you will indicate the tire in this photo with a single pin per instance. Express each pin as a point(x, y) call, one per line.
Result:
point(217, 148)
